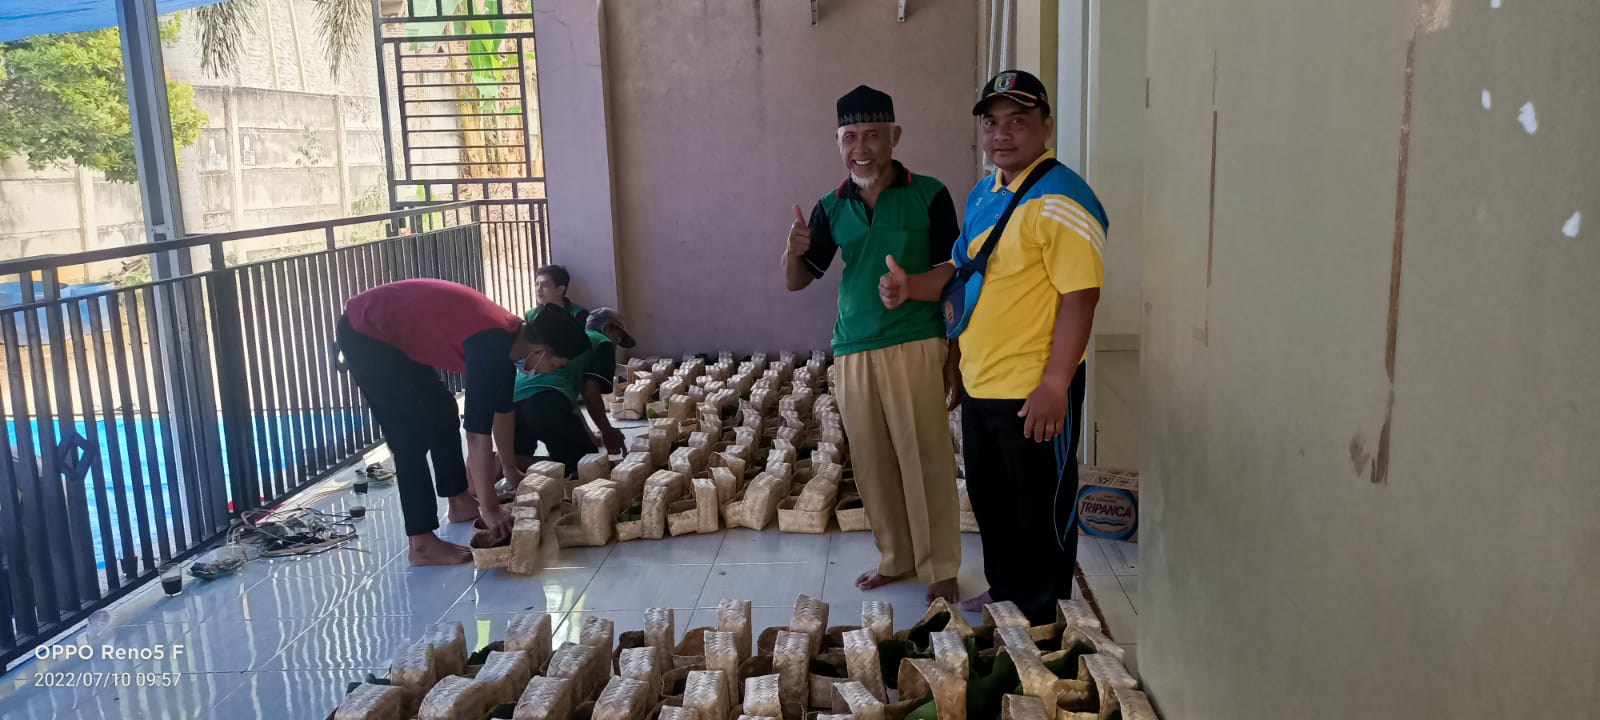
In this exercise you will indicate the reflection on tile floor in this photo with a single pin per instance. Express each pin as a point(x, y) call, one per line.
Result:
point(282, 638)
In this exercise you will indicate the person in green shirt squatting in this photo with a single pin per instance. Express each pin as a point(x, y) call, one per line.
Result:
point(888, 359)
point(545, 404)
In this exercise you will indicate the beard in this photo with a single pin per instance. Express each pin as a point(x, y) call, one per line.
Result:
point(865, 182)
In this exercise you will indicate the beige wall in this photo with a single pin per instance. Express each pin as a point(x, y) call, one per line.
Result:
point(1116, 172)
point(722, 118)
point(577, 149)
point(1278, 579)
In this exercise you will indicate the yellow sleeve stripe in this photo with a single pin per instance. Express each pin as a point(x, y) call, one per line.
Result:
point(1074, 217)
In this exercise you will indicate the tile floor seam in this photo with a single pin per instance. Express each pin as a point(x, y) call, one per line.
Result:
point(284, 647)
point(707, 582)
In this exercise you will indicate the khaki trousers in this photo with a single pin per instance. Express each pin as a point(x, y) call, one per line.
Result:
point(893, 405)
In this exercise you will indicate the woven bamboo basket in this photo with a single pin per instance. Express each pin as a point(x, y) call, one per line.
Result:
point(506, 674)
point(447, 642)
point(921, 678)
point(1093, 639)
point(586, 666)
point(1072, 614)
point(599, 633)
point(940, 616)
point(630, 477)
point(791, 520)
point(660, 627)
point(878, 617)
point(722, 654)
point(415, 670)
point(819, 495)
point(592, 523)
point(490, 552)
point(733, 616)
point(691, 650)
point(705, 504)
point(791, 658)
point(642, 664)
point(1106, 674)
point(1134, 705)
point(763, 696)
point(372, 702)
point(530, 633)
point(683, 517)
point(826, 670)
point(950, 650)
point(630, 529)
point(1023, 707)
point(862, 663)
point(653, 511)
point(456, 697)
point(593, 467)
point(851, 513)
point(706, 693)
point(856, 700)
point(769, 639)
point(623, 699)
point(551, 491)
point(811, 619)
point(760, 506)
point(527, 538)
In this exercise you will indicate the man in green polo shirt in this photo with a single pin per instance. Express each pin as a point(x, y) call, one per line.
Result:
point(899, 433)
point(550, 288)
point(546, 404)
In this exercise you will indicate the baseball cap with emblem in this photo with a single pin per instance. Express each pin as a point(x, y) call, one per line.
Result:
point(1015, 85)
point(599, 318)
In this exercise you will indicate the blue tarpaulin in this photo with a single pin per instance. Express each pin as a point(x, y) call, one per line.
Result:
point(21, 18)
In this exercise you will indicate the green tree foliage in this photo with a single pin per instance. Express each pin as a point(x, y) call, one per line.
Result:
point(64, 102)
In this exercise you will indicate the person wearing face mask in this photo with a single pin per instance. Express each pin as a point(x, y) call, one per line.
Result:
point(889, 359)
point(394, 340)
point(546, 402)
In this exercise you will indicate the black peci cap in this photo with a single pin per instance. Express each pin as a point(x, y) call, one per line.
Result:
point(1016, 85)
point(865, 105)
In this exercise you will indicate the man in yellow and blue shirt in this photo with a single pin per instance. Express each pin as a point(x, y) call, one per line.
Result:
point(1023, 349)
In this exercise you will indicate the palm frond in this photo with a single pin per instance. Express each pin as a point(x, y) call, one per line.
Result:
point(223, 28)
point(341, 24)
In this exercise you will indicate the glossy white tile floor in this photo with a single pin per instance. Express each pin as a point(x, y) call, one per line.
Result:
point(282, 638)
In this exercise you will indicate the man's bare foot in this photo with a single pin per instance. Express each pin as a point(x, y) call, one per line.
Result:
point(463, 508)
point(871, 580)
point(975, 604)
point(946, 589)
point(430, 549)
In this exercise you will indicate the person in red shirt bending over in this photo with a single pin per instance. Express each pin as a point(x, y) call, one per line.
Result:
point(395, 339)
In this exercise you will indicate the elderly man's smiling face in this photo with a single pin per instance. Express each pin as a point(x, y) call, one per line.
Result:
point(867, 150)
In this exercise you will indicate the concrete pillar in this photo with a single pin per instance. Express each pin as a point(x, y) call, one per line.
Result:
point(88, 223)
point(235, 159)
point(577, 155)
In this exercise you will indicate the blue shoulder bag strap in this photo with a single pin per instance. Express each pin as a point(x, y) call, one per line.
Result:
point(957, 299)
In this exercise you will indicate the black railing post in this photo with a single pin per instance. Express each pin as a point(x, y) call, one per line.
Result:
point(233, 381)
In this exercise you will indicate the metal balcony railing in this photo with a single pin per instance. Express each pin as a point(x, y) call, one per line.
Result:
point(142, 417)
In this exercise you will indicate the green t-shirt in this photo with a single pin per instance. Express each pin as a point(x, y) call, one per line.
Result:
point(600, 363)
point(915, 221)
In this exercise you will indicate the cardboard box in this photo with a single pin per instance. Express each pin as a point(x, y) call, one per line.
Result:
point(1108, 503)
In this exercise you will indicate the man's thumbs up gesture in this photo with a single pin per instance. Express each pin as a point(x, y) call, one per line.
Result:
point(799, 235)
point(892, 287)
